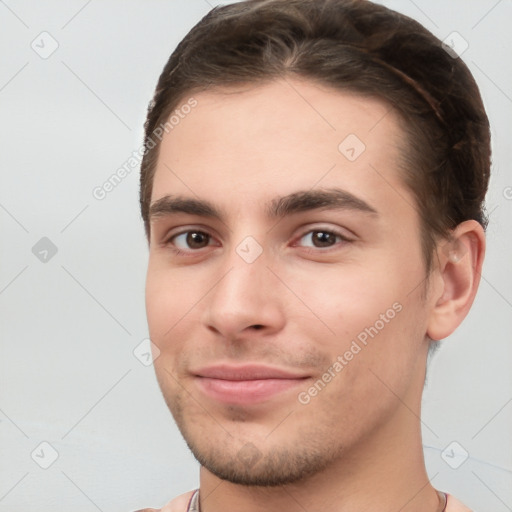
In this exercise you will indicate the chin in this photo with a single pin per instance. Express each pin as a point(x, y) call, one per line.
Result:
point(250, 466)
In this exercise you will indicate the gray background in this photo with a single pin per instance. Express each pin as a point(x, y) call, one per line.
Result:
point(70, 321)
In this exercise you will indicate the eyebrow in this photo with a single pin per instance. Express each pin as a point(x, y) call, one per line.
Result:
point(327, 199)
point(300, 201)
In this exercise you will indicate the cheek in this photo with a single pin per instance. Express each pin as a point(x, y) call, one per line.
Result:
point(169, 305)
point(362, 315)
point(169, 301)
point(158, 302)
point(346, 299)
point(369, 376)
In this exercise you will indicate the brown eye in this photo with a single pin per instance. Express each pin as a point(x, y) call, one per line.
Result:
point(196, 239)
point(323, 238)
point(320, 239)
point(191, 240)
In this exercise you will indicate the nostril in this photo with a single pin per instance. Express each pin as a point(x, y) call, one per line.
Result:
point(257, 326)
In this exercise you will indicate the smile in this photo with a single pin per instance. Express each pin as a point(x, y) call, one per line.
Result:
point(246, 384)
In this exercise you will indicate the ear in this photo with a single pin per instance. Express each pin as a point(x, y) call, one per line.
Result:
point(460, 266)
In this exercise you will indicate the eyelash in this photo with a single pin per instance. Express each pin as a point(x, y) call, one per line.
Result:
point(329, 231)
point(193, 252)
point(179, 252)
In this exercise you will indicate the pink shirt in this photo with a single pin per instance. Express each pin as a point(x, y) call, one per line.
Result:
point(189, 502)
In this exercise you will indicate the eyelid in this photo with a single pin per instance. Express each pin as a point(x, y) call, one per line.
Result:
point(182, 230)
point(166, 240)
point(345, 233)
point(185, 228)
point(338, 245)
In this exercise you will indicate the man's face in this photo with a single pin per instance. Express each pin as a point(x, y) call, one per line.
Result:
point(288, 314)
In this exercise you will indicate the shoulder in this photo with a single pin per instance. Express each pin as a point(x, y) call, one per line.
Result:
point(178, 504)
point(454, 505)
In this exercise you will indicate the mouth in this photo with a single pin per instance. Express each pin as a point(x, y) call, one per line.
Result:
point(248, 384)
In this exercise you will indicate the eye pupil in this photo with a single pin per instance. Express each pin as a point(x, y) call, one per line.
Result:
point(196, 239)
point(323, 238)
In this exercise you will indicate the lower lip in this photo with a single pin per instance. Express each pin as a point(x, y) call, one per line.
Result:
point(245, 391)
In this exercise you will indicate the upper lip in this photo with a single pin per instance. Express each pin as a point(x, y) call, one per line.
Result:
point(246, 372)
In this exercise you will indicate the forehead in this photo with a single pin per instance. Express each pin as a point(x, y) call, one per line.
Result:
point(263, 141)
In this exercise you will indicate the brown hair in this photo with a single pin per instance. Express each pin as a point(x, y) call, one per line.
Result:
point(357, 46)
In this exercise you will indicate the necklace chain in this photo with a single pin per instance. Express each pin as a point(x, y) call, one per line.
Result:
point(442, 501)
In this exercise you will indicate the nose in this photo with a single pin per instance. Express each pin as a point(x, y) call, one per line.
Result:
point(245, 300)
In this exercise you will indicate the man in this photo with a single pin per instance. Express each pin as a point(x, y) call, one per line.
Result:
point(313, 193)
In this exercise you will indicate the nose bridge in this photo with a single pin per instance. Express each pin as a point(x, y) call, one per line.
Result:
point(243, 297)
point(244, 282)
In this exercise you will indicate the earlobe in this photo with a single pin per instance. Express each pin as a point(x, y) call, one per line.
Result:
point(460, 266)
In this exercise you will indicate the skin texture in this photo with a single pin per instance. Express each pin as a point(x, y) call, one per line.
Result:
point(356, 444)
